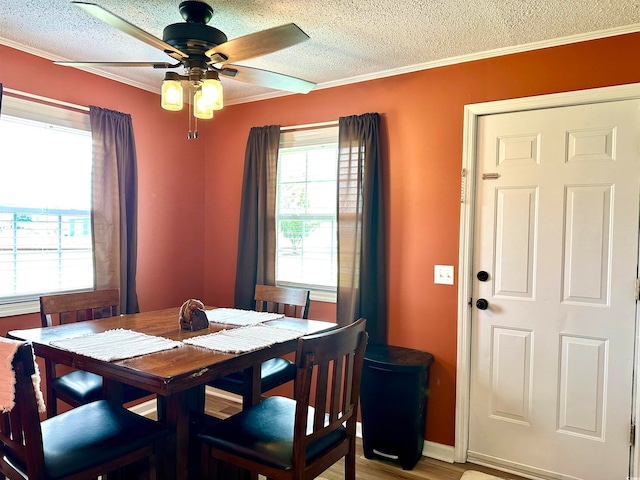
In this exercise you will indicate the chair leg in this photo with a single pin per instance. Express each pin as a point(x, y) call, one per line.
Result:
point(160, 463)
point(350, 462)
point(205, 462)
point(52, 403)
point(153, 466)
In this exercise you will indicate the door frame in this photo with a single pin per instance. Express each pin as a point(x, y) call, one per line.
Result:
point(472, 112)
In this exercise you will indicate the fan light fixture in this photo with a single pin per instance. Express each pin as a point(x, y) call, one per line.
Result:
point(172, 92)
point(207, 95)
point(204, 52)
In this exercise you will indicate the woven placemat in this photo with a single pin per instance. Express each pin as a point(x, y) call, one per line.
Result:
point(116, 344)
point(240, 318)
point(244, 339)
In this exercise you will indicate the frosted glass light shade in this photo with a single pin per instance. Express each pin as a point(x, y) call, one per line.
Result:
point(218, 86)
point(210, 92)
point(201, 107)
point(171, 94)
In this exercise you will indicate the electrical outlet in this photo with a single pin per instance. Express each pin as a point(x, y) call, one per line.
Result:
point(443, 274)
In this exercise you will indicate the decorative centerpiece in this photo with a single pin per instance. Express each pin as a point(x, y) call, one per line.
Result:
point(192, 315)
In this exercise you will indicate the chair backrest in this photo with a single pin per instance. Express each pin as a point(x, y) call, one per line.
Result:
point(292, 302)
point(20, 433)
point(329, 364)
point(77, 307)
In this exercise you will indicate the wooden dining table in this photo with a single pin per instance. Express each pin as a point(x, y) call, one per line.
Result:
point(178, 375)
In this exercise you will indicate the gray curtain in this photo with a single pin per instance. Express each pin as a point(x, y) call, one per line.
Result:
point(256, 236)
point(114, 212)
point(361, 232)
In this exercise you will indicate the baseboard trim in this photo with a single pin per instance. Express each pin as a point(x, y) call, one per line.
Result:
point(438, 451)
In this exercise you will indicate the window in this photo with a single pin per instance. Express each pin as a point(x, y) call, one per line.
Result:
point(45, 202)
point(306, 229)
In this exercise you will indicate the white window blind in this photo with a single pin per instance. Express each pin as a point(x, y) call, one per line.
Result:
point(306, 229)
point(45, 201)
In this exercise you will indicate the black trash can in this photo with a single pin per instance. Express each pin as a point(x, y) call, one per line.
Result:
point(393, 400)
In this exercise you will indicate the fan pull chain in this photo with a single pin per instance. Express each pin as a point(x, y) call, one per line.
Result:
point(189, 135)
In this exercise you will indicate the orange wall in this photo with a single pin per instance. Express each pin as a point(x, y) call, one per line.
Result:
point(170, 174)
point(422, 117)
point(190, 191)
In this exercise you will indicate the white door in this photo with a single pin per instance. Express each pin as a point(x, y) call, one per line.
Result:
point(556, 230)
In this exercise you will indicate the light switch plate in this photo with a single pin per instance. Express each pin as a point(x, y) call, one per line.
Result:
point(443, 274)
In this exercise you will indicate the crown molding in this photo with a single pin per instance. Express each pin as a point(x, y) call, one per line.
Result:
point(111, 76)
point(498, 52)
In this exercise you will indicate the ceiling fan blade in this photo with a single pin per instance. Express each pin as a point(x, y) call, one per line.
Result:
point(257, 44)
point(267, 79)
point(119, 64)
point(121, 24)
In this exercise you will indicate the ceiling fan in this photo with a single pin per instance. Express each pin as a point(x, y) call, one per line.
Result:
point(205, 53)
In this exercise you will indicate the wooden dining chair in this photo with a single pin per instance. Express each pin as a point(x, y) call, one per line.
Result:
point(291, 302)
point(283, 438)
point(85, 442)
point(79, 387)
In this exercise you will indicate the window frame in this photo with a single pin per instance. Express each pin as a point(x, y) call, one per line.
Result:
point(300, 138)
point(60, 114)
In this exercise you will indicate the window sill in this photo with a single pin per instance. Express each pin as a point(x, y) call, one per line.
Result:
point(21, 308)
point(322, 296)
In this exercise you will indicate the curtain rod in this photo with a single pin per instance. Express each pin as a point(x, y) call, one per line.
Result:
point(86, 109)
point(46, 99)
point(311, 125)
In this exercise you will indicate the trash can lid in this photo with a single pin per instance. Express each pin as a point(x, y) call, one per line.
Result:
point(398, 356)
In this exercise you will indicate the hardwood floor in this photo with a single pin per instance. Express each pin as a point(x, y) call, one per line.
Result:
point(426, 469)
point(222, 404)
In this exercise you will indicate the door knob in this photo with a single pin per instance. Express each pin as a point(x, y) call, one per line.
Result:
point(482, 304)
point(482, 276)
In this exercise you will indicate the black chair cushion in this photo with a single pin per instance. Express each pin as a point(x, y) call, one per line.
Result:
point(274, 372)
point(264, 433)
point(86, 387)
point(93, 434)
point(82, 386)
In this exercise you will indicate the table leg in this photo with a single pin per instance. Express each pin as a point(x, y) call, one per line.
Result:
point(252, 394)
point(252, 383)
point(113, 391)
point(177, 409)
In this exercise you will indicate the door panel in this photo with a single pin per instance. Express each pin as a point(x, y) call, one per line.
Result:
point(515, 234)
point(556, 227)
point(587, 233)
point(511, 375)
point(581, 402)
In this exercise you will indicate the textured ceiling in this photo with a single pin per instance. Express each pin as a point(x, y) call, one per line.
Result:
point(351, 40)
